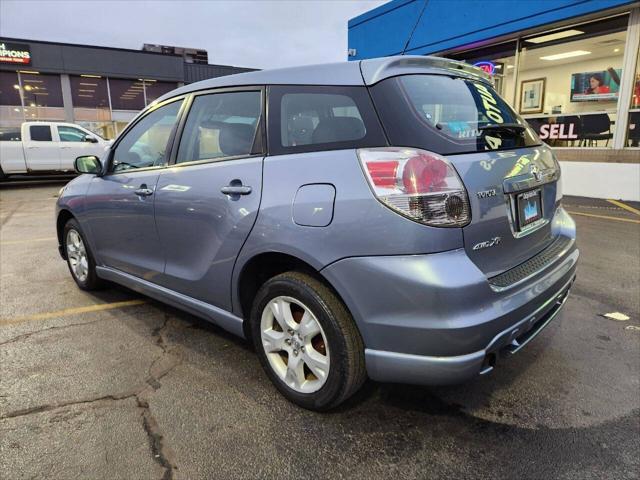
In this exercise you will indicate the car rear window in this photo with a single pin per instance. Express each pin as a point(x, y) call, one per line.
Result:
point(448, 115)
point(40, 133)
point(314, 118)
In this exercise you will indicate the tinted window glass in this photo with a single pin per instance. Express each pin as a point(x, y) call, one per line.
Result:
point(126, 94)
point(10, 135)
point(146, 143)
point(40, 133)
point(70, 134)
point(89, 92)
point(9, 89)
point(220, 125)
point(155, 90)
point(448, 115)
point(41, 90)
point(314, 118)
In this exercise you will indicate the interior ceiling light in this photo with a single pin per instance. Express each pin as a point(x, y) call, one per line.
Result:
point(554, 36)
point(560, 56)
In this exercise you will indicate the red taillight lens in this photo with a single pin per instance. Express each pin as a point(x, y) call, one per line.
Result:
point(419, 184)
point(383, 174)
point(423, 173)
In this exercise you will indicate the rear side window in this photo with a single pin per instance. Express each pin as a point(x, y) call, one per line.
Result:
point(40, 133)
point(311, 118)
point(220, 125)
point(448, 115)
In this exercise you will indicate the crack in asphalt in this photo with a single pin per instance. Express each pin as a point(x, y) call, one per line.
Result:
point(160, 451)
point(10, 214)
point(25, 336)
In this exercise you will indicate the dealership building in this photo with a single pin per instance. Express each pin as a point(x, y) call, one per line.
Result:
point(97, 87)
point(570, 67)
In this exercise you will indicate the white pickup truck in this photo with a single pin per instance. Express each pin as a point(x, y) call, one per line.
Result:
point(46, 147)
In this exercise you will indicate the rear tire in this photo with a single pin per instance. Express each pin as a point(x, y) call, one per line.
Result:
point(307, 341)
point(80, 259)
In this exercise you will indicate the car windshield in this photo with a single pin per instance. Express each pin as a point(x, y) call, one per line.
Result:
point(450, 115)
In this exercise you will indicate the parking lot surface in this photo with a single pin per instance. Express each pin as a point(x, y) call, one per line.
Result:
point(114, 385)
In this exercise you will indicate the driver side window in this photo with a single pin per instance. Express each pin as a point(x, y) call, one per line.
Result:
point(145, 144)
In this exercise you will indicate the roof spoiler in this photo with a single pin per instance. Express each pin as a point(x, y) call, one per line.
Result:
point(378, 69)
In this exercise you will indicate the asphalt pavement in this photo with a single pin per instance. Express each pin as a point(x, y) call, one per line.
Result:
point(114, 385)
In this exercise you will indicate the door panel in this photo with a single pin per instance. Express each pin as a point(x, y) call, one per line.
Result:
point(42, 151)
point(202, 229)
point(73, 145)
point(119, 205)
point(122, 225)
point(205, 210)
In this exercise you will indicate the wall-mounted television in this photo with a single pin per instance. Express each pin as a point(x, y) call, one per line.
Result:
point(600, 86)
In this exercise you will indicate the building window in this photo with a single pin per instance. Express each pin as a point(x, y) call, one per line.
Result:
point(9, 89)
point(569, 81)
point(633, 132)
point(155, 90)
point(10, 105)
point(497, 60)
point(89, 92)
point(41, 90)
point(126, 94)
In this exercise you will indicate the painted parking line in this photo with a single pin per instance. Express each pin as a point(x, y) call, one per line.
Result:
point(71, 311)
point(605, 217)
point(28, 240)
point(625, 206)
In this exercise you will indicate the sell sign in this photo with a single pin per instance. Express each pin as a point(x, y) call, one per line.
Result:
point(15, 53)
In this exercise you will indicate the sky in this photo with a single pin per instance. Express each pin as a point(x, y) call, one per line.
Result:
point(258, 33)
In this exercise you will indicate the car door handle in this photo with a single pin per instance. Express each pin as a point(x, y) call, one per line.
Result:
point(236, 190)
point(143, 191)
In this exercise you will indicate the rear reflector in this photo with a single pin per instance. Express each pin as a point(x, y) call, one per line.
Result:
point(421, 185)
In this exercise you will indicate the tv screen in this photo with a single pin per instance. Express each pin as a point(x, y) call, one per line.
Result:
point(596, 86)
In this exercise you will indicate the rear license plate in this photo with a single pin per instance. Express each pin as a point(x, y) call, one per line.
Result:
point(529, 207)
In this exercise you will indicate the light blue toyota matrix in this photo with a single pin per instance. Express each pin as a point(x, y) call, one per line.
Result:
point(390, 218)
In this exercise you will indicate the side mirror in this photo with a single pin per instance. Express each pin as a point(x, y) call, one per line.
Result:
point(88, 164)
point(90, 139)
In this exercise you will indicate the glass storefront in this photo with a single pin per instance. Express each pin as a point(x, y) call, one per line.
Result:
point(103, 105)
point(566, 82)
point(633, 130)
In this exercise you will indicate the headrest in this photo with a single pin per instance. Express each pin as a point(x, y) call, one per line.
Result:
point(338, 129)
point(236, 138)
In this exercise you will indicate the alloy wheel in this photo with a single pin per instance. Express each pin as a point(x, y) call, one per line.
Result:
point(77, 255)
point(295, 344)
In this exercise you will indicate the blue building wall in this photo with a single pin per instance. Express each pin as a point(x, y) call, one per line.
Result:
point(447, 24)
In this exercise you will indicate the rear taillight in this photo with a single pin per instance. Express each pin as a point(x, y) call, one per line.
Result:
point(418, 184)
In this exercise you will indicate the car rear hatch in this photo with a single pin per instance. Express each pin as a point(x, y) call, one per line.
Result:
point(510, 177)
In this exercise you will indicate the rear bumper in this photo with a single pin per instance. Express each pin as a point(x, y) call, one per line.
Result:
point(436, 319)
point(428, 370)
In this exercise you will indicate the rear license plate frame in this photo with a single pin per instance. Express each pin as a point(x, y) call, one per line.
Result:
point(525, 220)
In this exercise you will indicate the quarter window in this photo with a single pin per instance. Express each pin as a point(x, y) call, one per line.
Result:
point(220, 125)
point(71, 134)
point(40, 133)
point(145, 145)
point(315, 118)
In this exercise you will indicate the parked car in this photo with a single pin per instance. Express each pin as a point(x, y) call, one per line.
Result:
point(391, 218)
point(46, 147)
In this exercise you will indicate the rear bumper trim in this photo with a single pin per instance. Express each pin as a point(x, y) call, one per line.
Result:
point(396, 367)
point(532, 267)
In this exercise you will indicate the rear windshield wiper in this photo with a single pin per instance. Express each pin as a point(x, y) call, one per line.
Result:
point(511, 127)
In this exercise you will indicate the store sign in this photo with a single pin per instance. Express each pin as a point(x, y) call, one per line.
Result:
point(15, 53)
point(486, 66)
point(556, 131)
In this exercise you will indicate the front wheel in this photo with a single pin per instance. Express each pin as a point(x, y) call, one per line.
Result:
point(307, 341)
point(79, 258)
